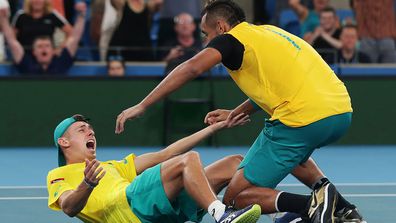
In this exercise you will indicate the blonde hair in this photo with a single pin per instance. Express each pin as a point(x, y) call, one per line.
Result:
point(28, 9)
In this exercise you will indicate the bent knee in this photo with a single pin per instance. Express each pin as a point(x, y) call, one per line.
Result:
point(233, 161)
point(190, 158)
point(236, 158)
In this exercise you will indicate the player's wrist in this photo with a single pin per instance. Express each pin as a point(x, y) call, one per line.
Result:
point(89, 184)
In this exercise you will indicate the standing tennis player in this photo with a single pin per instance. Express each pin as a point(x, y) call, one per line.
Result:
point(284, 76)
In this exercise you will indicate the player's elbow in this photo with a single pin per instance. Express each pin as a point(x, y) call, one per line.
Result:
point(70, 212)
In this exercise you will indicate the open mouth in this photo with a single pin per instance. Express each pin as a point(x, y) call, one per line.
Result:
point(91, 144)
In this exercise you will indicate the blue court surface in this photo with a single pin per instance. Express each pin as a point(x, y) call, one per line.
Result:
point(364, 174)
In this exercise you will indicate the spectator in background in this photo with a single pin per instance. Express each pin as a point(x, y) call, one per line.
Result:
point(104, 22)
point(59, 6)
point(376, 25)
point(133, 31)
point(185, 45)
point(169, 11)
point(38, 19)
point(325, 38)
point(260, 12)
point(309, 19)
point(43, 59)
point(116, 66)
point(348, 52)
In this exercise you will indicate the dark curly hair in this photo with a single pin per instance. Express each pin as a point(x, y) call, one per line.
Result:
point(228, 10)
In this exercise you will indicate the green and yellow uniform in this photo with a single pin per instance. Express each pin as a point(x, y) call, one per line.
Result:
point(108, 201)
point(287, 78)
point(121, 196)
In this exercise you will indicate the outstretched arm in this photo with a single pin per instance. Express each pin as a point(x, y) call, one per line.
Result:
point(73, 201)
point(186, 144)
point(78, 29)
point(183, 73)
point(16, 48)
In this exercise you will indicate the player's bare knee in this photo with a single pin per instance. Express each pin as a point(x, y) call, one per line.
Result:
point(235, 159)
point(191, 157)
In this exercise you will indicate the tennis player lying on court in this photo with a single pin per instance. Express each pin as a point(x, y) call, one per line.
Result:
point(166, 186)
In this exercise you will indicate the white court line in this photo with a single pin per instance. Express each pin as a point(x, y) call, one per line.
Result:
point(22, 187)
point(220, 196)
point(23, 198)
point(369, 195)
point(280, 185)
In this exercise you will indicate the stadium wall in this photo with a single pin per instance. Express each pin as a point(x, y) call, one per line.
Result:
point(31, 108)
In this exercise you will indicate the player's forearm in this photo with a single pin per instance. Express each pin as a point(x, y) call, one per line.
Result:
point(186, 144)
point(76, 200)
point(247, 107)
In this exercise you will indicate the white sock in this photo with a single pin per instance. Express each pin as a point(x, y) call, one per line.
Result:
point(216, 209)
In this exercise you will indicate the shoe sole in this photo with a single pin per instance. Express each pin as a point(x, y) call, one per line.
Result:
point(327, 215)
point(250, 216)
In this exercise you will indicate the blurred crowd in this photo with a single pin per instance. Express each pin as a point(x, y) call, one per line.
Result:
point(47, 36)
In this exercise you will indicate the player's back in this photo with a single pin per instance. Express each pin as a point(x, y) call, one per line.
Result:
point(286, 77)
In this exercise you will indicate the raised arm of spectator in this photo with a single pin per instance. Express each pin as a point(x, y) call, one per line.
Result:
point(336, 43)
point(15, 47)
point(118, 4)
point(154, 5)
point(68, 30)
point(72, 42)
point(300, 9)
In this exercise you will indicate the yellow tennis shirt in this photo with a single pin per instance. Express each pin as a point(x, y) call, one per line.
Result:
point(108, 201)
point(286, 77)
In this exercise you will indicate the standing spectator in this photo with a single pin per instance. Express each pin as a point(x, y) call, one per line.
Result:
point(348, 53)
point(325, 38)
point(38, 19)
point(309, 19)
point(185, 45)
point(104, 22)
point(376, 25)
point(43, 59)
point(168, 12)
point(133, 31)
point(116, 66)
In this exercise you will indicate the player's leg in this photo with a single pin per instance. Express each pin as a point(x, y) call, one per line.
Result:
point(276, 152)
point(220, 173)
point(159, 194)
point(186, 172)
point(313, 177)
point(263, 167)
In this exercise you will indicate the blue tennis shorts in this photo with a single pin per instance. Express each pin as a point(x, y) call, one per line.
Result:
point(148, 201)
point(279, 148)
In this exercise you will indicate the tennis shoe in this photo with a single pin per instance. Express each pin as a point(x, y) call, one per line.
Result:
point(323, 202)
point(249, 214)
